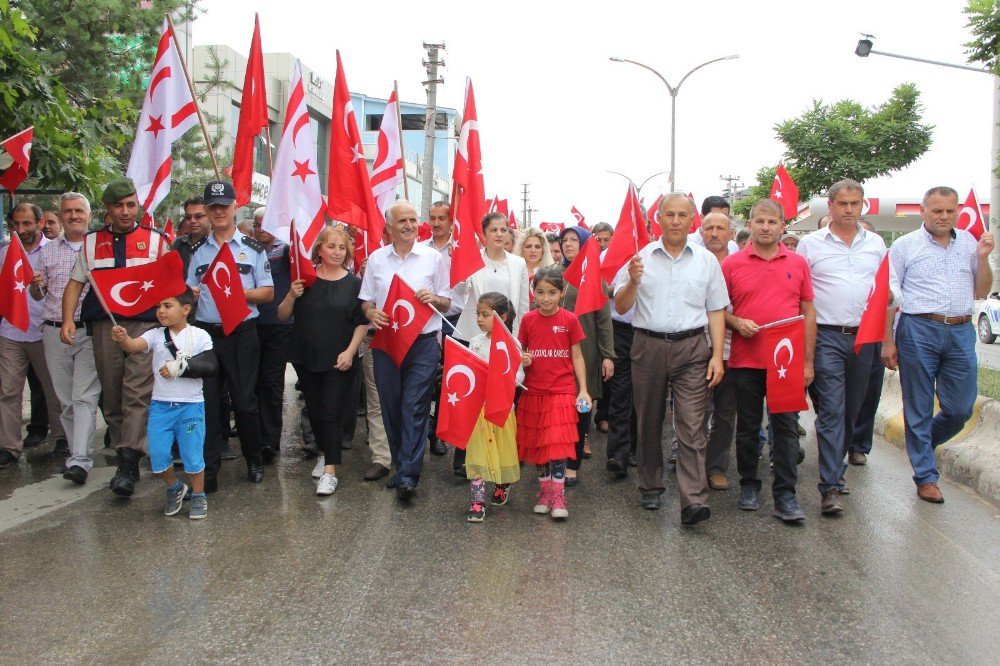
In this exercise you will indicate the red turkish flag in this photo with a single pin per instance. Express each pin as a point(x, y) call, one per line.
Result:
point(580, 220)
point(168, 111)
point(397, 338)
point(696, 225)
point(630, 236)
point(300, 260)
point(512, 220)
point(786, 193)
point(132, 290)
point(18, 147)
point(872, 327)
point(168, 231)
point(786, 366)
point(389, 169)
point(349, 187)
point(505, 359)
point(971, 217)
point(551, 227)
point(654, 227)
point(463, 393)
point(295, 192)
point(468, 197)
point(424, 231)
point(584, 273)
point(227, 292)
point(15, 276)
point(253, 118)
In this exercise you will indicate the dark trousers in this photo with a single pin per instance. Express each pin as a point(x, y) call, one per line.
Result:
point(751, 386)
point(354, 395)
point(39, 421)
point(239, 359)
point(838, 391)
point(622, 428)
point(723, 425)
point(582, 428)
point(273, 341)
point(326, 395)
point(864, 426)
point(680, 365)
point(602, 409)
point(405, 395)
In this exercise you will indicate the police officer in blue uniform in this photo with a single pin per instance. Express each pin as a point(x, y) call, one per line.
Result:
point(238, 352)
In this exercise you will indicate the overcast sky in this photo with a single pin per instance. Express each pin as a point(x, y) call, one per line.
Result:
point(556, 113)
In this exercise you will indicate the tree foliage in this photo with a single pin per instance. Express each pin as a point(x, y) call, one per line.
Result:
point(76, 71)
point(984, 21)
point(830, 142)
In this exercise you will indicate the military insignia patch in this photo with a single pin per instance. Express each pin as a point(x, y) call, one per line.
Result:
point(242, 256)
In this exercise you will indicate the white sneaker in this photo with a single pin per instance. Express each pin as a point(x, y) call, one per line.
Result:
point(327, 484)
point(318, 469)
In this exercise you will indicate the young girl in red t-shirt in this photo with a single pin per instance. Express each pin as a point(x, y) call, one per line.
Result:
point(546, 413)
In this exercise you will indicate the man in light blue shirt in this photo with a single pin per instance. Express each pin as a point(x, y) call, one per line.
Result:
point(238, 352)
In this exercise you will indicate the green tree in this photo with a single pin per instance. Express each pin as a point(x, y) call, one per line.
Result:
point(846, 140)
point(984, 21)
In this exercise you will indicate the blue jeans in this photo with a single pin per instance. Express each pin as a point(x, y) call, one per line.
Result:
point(183, 422)
point(864, 427)
point(838, 391)
point(405, 395)
point(934, 356)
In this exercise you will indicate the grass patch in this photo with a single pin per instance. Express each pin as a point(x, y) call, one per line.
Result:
point(989, 382)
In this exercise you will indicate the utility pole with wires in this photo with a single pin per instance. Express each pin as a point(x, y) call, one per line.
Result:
point(430, 123)
point(733, 186)
point(525, 211)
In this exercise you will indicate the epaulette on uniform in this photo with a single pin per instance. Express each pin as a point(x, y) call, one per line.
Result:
point(253, 244)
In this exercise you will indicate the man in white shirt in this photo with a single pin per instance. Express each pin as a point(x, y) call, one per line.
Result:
point(843, 259)
point(405, 392)
point(678, 291)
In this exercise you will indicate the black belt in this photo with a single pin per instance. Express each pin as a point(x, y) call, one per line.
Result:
point(58, 324)
point(216, 329)
point(424, 336)
point(621, 324)
point(672, 337)
point(846, 330)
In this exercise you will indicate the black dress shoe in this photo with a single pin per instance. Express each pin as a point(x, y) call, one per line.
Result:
point(33, 439)
point(7, 459)
point(694, 514)
point(227, 452)
point(405, 491)
point(255, 469)
point(459, 471)
point(437, 447)
point(61, 448)
point(572, 481)
point(650, 502)
point(393, 482)
point(618, 470)
point(76, 474)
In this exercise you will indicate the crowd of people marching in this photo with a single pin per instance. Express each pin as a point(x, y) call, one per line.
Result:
point(679, 341)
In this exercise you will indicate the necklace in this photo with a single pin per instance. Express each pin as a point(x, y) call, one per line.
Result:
point(497, 265)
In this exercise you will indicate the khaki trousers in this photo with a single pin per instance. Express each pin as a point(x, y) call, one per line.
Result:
point(127, 382)
point(656, 366)
point(378, 441)
point(14, 360)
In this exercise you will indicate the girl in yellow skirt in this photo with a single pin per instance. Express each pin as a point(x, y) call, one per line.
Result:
point(491, 454)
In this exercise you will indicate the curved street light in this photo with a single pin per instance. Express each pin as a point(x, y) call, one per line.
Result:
point(673, 99)
point(639, 188)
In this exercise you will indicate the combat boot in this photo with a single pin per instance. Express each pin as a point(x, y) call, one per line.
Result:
point(127, 474)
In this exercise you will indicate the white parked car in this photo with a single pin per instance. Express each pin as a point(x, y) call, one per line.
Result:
point(988, 319)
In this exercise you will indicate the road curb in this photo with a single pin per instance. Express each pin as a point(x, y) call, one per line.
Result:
point(971, 458)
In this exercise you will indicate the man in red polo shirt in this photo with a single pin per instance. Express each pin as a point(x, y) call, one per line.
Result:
point(766, 283)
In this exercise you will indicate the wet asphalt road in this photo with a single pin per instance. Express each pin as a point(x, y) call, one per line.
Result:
point(276, 575)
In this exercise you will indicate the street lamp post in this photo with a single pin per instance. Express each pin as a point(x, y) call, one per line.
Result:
point(864, 49)
point(638, 190)
point(673, 100)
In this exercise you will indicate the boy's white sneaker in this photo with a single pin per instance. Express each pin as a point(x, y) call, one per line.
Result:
point(327, 484)
point(318, 469)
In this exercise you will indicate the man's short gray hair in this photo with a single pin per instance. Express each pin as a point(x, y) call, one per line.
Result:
point(843, 186)
point(258, 214)
point(390, 211)
point(72, 196)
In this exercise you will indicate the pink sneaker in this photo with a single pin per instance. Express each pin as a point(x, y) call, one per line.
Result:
point(557, 501)
point(543, 500)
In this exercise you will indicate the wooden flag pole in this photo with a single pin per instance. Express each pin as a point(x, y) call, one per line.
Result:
point(402, 151)
point(194, 96)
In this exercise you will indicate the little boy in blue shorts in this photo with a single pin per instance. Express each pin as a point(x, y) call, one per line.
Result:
point(182, 355)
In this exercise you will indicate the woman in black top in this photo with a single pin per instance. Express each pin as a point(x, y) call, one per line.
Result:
point(327, 331)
